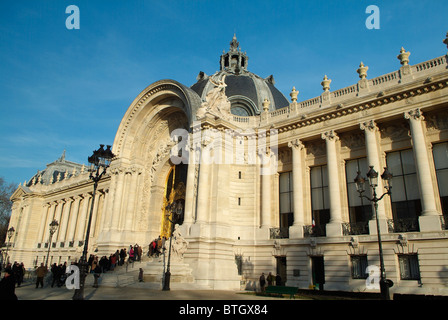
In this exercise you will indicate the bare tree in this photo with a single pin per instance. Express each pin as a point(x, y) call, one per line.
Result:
point(6, 191)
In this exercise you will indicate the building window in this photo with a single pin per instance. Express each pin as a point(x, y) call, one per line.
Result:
point(320, 201)
point(440, 152)
point(359, 266)
point(409, 268)
point(286, 201)
point(360, 209)
point(406, 206)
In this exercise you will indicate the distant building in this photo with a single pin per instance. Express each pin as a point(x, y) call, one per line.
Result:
point(266, 184)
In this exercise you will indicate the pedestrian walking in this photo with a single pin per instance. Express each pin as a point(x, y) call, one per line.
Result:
point(270, 279)
point(40, 274)
point(278, 280)
point(262, 282)
point(140, 275)
point(96, 275)
point(8, 286)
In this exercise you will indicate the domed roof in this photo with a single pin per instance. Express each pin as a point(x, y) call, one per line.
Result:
point(245, 90)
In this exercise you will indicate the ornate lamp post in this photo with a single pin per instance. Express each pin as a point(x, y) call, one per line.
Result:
point(372, 175)
point(53, 227)
point(100, 161)
point(176, 211)
point(9, 233)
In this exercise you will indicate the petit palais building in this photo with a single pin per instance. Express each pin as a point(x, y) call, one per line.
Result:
point(262, 183)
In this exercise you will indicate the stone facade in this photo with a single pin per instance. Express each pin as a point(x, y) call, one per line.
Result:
point(271, 192)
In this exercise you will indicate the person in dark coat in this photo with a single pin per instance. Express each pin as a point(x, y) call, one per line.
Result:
point(262, 282)
point(96, 275)
point(8, 286)
point(278, 280)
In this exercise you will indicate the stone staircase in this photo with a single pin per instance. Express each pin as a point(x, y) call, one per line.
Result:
point(153, 271)
point(120, 277)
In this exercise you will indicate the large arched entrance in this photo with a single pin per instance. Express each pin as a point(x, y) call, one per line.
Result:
point(174, 198)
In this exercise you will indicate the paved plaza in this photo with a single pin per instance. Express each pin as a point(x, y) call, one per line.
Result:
point(137, 291)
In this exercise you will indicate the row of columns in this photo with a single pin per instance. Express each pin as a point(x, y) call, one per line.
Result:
point(429, 219)
point(121, 208)
point(71, 214)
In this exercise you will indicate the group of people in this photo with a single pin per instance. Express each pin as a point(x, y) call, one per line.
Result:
point(12, 276)
point(156, 246)
point(270, 280)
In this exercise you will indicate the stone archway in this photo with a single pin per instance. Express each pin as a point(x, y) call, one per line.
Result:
point(142, 147)
point(174, 194)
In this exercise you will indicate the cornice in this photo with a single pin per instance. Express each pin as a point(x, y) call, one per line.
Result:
point(378, 99)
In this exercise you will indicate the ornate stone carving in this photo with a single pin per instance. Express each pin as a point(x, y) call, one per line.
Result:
point(362, 70)
point(162, 153)
point(414, 114)
point(437, 122)
point(404, 57)
point(330, 136)
point(315, 148)
point(296, 144)
point(395, 131)
point(368, 125)
point(178, 245)
point(216, 101)
point(326, 83)
point(294, 93)
point(353, 140)
point(445, 41)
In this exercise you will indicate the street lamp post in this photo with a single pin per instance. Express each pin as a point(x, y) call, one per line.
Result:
point(100, 161)
point(53, 227)
point(372, 175)
point(176, 210)
point(10, 233)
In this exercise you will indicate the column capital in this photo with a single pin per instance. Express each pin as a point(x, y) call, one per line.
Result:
point(330, 136)
point(414, 114)
point(296, 144)
point(206, 141)
point(368, 126)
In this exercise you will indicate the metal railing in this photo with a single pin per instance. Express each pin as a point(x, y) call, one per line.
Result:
point(403, 225)
point(356, 228)
point(314, 231)
point(278, 233)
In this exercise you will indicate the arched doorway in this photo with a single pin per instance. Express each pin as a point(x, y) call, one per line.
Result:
point(174, 195)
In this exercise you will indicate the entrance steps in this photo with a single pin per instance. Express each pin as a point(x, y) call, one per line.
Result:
point(153, 272)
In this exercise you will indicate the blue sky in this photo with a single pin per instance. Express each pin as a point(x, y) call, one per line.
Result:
point(69, 89)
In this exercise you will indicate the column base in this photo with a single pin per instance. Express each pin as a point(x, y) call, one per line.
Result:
point(334, 229)
point(296, 232)
point(262, 233)
point(383, 227)
point(430, 223)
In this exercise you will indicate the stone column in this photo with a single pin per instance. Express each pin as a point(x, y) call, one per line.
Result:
point(46, 210)
point(296, 230)
point(116, 211)
point(73, 218)
point(204, 184)
point(64, 221)
point(48, 220)
point(96, 210)
point(132, 199)
point(266, 180)
point(57, 217)
point(334, 227)
point(373, 159)
point(191, 185)
point(104, 213)
point(80, 231)
point(429, 220)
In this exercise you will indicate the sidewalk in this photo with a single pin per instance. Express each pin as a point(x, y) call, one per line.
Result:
point(138, 291)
